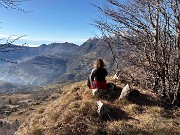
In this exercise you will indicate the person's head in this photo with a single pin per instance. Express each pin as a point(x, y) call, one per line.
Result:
point(99, 63)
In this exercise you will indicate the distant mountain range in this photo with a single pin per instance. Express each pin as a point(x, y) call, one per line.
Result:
point(58, 62)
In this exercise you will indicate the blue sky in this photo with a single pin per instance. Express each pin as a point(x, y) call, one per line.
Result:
point(50, 21)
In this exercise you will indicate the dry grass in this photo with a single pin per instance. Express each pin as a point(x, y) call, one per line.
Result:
point(75, 112)
point(37, 132)
point(52, 87)
point(41, 110)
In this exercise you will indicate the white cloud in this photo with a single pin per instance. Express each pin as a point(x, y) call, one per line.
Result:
point(39, 41)
point(55, 39)
point(3, 36)
point(34, 42)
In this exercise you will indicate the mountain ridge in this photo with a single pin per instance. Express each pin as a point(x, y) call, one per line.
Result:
point(35, 65)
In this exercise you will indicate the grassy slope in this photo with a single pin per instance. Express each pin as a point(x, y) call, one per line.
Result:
point(75, 112)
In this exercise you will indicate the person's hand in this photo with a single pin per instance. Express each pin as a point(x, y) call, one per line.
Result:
point(94, 85)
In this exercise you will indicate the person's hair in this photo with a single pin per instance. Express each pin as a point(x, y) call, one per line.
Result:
point(99, 63)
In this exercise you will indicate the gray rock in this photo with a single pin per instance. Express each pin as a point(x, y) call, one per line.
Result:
point(125, 91)
point(102, 109)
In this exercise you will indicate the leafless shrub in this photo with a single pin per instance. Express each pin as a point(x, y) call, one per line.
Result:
point(9, 46)
point(151, 32)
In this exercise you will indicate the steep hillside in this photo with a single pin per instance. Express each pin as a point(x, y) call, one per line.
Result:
point(75, 112)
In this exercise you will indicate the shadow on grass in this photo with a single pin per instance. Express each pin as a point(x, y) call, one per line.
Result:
point(134, 96)
point(110, 95)
point(114, 94)
point(142, 99)
point(114, 113)
point(168, 113)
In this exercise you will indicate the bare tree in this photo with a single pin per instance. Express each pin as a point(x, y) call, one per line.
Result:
point(151, 30)
point(9, 46)
point(12, 4)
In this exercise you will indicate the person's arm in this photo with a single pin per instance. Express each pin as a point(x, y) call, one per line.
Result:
point(91, 77)
point(105, 72)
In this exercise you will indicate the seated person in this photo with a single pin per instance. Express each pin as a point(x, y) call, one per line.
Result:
point(98, 75)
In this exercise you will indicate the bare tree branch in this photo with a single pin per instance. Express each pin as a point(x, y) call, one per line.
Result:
point(151, 31)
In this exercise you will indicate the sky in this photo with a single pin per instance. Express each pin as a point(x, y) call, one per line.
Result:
point(49, 21)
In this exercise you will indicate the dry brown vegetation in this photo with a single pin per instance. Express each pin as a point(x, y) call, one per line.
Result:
point(75, 112)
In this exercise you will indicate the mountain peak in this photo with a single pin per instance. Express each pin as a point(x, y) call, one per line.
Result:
point(91, 39)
